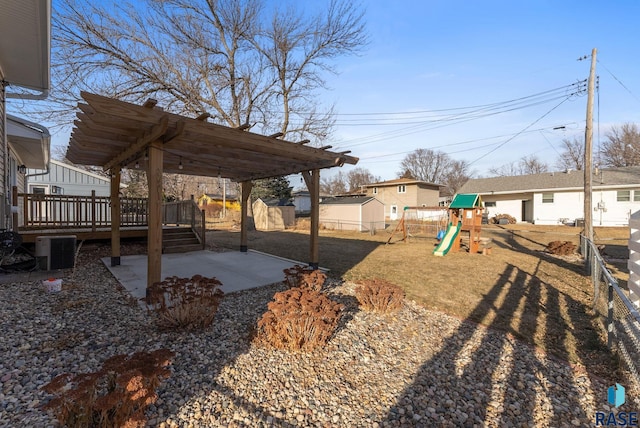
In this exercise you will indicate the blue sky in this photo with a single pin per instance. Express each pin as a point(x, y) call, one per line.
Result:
point(431, 55)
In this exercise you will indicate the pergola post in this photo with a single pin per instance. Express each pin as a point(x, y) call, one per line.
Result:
point(246, 192)
point(154, 238)
point(115, 215)
point(312, 178)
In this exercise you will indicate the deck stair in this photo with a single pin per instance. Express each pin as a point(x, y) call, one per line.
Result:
point(179, 240)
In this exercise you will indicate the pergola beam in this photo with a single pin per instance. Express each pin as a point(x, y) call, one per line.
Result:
point(154, 134)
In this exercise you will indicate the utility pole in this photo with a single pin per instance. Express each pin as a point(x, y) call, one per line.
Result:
point(588, 148)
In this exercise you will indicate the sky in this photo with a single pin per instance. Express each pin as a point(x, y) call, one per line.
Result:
point(428, 61)
point(435, 55)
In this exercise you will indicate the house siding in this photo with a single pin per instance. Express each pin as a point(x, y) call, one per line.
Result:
point(358, 216)
point(3, 154)
point(416, 195)
point(71, 180)
point(340, 217)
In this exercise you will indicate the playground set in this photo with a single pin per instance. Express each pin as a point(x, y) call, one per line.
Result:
point(417, 222)
point(465, 215)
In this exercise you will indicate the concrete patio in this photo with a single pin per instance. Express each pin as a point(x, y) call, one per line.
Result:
point(236, 270)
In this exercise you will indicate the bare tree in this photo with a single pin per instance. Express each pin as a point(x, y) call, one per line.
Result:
point(507, 170)
point(425, 165)
point(334, 185)
point(572, 156)
point(249, 62)
point(358, 177)
point(526, 165)
point(621, 147)
point(457, 174)
point(532, 165)
point(435, 167)
point(243, 61)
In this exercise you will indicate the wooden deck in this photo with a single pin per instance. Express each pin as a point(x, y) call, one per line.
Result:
point(104, 233)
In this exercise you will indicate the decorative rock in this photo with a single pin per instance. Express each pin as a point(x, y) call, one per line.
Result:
point(417, 368)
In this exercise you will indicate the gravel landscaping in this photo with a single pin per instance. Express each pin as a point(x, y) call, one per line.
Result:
point(411, 368)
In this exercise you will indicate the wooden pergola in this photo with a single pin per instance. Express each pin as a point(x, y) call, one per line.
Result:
point(115, 135)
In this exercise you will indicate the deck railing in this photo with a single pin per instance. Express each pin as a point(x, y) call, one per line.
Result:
point(41, 211)
point(186, 213)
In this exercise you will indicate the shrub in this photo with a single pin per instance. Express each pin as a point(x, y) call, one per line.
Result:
point(378, 295)
point(299, 319)
point(304, 277)
point(115, 395)
point(187, 303)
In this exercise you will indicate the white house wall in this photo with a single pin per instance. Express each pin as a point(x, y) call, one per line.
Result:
point(567, 206)
point(506, 204)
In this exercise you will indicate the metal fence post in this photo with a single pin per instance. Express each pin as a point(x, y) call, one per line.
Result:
point(610, 317)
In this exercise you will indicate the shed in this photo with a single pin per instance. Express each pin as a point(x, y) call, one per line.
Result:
point(361, 213)
point(273, 214)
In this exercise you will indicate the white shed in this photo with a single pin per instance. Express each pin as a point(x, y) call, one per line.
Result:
point(361, 213)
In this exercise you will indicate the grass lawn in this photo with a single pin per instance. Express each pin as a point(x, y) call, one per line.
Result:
point(518, 288)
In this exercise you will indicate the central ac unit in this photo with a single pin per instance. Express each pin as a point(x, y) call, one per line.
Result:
point(55, 252)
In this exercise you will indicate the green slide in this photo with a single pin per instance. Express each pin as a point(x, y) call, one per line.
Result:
point(445, 245)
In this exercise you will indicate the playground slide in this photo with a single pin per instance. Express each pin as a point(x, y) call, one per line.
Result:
point(445, 245)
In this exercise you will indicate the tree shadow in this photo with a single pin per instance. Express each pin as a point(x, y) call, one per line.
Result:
point(484, 376)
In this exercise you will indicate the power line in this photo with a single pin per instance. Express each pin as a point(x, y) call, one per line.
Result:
point(618, 80)
point(527, 127)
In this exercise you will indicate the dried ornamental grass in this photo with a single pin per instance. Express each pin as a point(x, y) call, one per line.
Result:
point(378, 295)
point(299, 319)
point(185, 303)
point(114, 396)
point(304, 276)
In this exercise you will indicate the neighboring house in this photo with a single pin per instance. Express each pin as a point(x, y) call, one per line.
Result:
point(403, 192)
point(558, 197)
point(231, 201)
point(65, 179)
point(273, 214)
point(302, 201)
point(361, 213)
point(24, 64)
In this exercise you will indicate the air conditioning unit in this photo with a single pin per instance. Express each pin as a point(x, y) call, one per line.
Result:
point(55, 252)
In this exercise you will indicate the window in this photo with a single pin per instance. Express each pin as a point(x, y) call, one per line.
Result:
point(38, 190)
point(489, 204)
point(402, 188)
point(623, 196)
point(375, 190)
point(636, 196)
point(547, 198)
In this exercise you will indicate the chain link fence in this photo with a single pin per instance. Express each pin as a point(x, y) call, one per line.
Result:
point(620, 316)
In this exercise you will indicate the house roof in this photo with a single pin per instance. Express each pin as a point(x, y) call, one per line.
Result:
point(25, 43)
point(275, 202)
point(349, 200)
point(397, 181)
point(219, 196)
point(571, 180)
point(30, 141)
point(112, 133)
